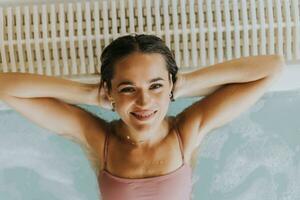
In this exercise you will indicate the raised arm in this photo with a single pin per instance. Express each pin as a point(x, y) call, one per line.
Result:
point(204, 81)
point(26, 85)
point(39, 98)
point(229, 88)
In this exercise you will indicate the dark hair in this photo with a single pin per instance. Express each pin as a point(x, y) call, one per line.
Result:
point(128, 44)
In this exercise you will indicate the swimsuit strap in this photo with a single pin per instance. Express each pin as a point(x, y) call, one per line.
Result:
point(179, 140)
point(106, 149)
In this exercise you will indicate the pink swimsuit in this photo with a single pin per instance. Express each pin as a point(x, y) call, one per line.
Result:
point(176, 185)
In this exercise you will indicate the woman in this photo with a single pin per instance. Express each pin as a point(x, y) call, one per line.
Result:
point(145, 154)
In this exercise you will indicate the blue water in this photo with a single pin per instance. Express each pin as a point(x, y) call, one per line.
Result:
point(256, 156)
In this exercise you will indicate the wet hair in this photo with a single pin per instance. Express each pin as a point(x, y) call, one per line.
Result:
point(128, 44)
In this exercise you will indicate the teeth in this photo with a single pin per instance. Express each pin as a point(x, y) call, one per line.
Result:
point(143, 113)
point(144, 116)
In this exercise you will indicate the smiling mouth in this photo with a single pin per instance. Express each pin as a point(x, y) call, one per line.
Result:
point(143, 117)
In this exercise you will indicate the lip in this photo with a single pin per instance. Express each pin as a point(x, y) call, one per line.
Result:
point(145, 117)
point(143, 112)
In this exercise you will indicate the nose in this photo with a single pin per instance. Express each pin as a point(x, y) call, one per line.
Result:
point(143, 98)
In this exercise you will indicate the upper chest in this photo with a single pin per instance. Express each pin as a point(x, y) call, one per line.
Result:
point(123, 161)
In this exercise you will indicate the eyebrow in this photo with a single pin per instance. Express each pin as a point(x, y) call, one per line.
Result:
point(126, 82)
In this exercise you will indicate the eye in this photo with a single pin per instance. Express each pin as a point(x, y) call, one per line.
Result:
point(156, 86)
point(127, 89)
point(130, 89)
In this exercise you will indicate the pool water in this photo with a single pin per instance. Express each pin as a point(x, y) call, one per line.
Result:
point(256, 156)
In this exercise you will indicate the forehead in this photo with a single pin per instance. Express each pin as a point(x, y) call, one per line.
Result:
point(140, 66)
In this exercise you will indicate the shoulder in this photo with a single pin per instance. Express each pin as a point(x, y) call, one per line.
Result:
point(95, 131)
point(187, 124)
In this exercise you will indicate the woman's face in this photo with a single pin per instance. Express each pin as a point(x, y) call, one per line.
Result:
point(140, 89)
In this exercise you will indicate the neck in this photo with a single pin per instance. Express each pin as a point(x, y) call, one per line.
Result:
point(138, 138)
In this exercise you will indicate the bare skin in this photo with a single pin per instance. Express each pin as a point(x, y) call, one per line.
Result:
point(128, 161)
point(229, 89)
point(141, 95)
point(159, 152)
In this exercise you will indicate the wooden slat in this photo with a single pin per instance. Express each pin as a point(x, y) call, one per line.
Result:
point(19, 39)
point(2, 45)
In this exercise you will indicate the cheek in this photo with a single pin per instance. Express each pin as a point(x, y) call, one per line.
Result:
point(124, 102)
point(165, 97)
point(163, 101)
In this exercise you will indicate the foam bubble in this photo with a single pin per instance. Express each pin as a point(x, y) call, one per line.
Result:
point(257, 106)
point(212, 145)
point(270, 154)
point(292, 191)
point(246, 128)
point(259, 189)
